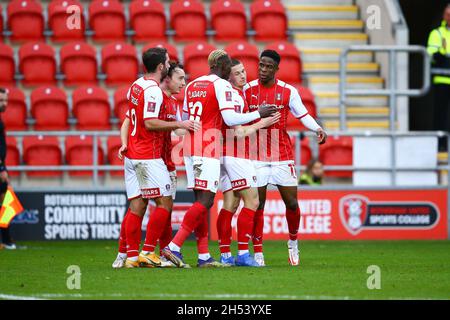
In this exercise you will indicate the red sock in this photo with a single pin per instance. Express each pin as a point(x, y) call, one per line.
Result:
point(224, 230)
point(258, 227)
point(190, 221)
point(166, 236)
point(123, 236)
point(155, 227)
point(133, 233)
point(245, 227)
point(201, 233)
point(293, 220)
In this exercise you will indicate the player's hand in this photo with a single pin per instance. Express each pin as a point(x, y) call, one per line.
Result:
point(321, 136)
point(267, 122)
point(190, 125)
point(122, 151)
point(266, 110)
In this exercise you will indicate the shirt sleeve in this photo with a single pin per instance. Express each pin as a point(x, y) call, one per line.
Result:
point(152, 102)
point(296, 105)
point(224, 94)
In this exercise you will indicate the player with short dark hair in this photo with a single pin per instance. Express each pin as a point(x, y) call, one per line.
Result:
point(275, 164)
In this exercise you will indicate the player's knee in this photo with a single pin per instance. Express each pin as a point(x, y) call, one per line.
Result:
point(292, 204)
point(252, 203)
point(139, 206)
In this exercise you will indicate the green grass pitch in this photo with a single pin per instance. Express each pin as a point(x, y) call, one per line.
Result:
point(328, 270)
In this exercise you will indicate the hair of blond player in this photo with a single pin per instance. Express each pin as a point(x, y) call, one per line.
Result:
point(214, 57)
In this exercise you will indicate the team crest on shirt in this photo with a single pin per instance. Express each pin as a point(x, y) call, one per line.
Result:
point(228, 96)
point(278, 96)
point(137, 90)
point(151, 107)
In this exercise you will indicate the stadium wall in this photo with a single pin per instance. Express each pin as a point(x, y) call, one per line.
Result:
point(327, 214)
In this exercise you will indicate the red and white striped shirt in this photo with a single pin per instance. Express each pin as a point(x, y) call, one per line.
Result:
point(274, 143)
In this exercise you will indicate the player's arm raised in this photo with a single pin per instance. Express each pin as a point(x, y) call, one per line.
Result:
point(299, 111)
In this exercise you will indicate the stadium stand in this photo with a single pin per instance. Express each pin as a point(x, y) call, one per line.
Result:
point(291, 68)
point(121, 103)
point(1, 23)
point(37, 63)
point(248, 54)
point(90, 106)
point(113, 145)
point(78, 63)
point(107, 20)
point(188, 19)
point(7, 64)
point(57, 20)
point(42, 151)
point(143, 11)
point(119, 63)
point(226, 13)
point(13, 155)
point(15, 118)
point(79, 152)
point(337, 151)
point(305, 149)
point(268, 18)
point(196, 59)
point(25, 20)
point(49, 108)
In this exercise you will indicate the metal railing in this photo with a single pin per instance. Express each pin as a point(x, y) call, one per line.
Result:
point(96, 168)
point(392, 92)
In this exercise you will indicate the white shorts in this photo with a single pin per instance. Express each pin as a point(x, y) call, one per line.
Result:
point(237, 174)
point(147, 179)
point(202, 173)
point(280, 173)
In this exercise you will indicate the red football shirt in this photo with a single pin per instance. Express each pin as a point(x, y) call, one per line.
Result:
point(204, 100)
point(169, 112)
point(274, 143)
point(232, 146)
point(145, 99)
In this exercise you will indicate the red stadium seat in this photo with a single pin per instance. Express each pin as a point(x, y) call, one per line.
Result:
point(143, 11)
point(66, 24)
point(268, 20)
point(50, 109)
point(42, 151)
point(12, 155)
point(171, 49)
point(196, 59)
point(226, 13)
point(248, 54)
point(308, 100)
point(25, 20)
point(79, 152)
point(16, 114)
point(37, 63)
point(119, 63)
point(290, 66)
point(7, 64)
point(305, 149)
point(90, 105)
point(121, 103)
point(113, 145)
point(188, 19)
point(79, 63)
point(107, 19)
point(337, 151)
